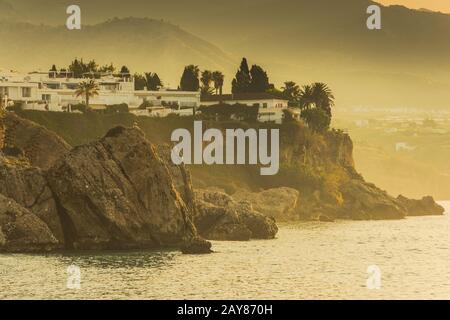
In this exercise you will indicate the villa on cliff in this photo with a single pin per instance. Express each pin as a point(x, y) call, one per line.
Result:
point(47, 92)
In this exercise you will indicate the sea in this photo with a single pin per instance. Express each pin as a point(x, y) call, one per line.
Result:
point(404, 259)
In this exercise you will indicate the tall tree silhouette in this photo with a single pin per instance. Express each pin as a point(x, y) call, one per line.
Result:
point(218, 79)
point(206, 79)
point(259, 79)
point(189, 80)
point(242, 82)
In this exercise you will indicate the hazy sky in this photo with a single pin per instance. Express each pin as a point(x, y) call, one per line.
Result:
point(438, 5)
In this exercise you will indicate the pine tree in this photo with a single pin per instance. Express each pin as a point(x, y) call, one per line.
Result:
point(242, 82)
point(189, 80)
point(259, 79)
point(153, 82)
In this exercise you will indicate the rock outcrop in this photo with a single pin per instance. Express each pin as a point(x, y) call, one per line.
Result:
point(40, 146)
point(423, 207)
point(114, 193)
point(118, 193)
point(280, 203)
point(122, 192)
point(23, 231)
point(219, 217)
point(27, 186)
point(364, 201)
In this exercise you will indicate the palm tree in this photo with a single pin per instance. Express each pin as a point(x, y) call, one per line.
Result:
point(322, 96)
point(87, 89)
point(218, 79)
point(316, 101)
point(206, 79)
point(319, 95)
point(291, 92)
point(306, 97)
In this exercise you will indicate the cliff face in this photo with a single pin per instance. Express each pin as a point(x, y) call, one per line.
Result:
point(216, 215)
point(329, 185)
point(113, 193)
point(121, 192)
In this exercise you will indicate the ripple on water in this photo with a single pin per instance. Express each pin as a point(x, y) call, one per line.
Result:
point(307, 260)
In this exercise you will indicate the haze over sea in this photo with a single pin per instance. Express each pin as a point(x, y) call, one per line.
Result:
point(308, 260)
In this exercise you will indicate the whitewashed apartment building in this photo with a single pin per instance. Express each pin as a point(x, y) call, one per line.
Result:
point(47, 92)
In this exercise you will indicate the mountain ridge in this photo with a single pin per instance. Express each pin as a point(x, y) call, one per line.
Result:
point(142, 44)
point(402, 65)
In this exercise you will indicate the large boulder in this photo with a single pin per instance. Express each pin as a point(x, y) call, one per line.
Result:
point(118, 193)
point(220, 217)
point(423, 207)
point(40, 146)
point(280, 203)
point(196, 245)
point(222, 223)
point(364, 201)
point(27, 186)
point(23, 231)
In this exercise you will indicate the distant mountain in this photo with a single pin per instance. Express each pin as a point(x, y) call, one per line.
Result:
point(141, 44)
point(425, 10)
point(407, 63)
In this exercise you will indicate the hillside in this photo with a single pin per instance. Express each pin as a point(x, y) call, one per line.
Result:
point(141, 44)
point(404, 64)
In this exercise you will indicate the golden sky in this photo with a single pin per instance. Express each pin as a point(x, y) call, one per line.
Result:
point(437, 5)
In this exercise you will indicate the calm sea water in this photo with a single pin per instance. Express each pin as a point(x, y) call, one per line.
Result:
point(307, 261)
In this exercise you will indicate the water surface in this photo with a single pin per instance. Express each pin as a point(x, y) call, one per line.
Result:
point(306, 261)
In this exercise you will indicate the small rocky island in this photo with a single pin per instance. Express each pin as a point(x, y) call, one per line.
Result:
point(123, 192)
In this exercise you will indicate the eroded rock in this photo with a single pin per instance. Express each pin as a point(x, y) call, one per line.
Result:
point(27, 186)
point(40, 146)
point(280, 203)
point(118, 193)
point(22, 231)
point(423, 207)
point(220, 217)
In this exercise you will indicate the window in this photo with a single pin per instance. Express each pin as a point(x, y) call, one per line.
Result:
point(26, 92)
point(46, 97)
point(264, 105)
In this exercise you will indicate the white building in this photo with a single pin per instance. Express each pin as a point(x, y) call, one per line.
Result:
point(47, 92)
point(271, 108)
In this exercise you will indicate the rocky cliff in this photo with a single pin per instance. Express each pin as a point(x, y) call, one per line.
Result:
point(216, 215)
point(120, 191)
point(321, 168)
point(113, 193)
